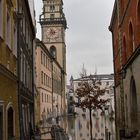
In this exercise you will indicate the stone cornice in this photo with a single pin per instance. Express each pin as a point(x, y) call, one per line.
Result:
point(132, 58)
point(7, 73)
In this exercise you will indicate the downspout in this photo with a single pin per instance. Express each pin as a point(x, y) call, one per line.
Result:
point(18, 68)
point(33, 84)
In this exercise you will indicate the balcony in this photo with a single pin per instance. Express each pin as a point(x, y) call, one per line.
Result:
point(48, 21)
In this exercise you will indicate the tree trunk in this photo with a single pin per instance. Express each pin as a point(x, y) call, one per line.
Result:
point(90, 115)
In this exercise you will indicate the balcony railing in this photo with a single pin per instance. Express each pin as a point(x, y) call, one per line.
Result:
point(44, 20)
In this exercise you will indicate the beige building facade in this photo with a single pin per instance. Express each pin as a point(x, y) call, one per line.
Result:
point(53, 25)
point(49, 99)
point(103, 122)
point(43, 64)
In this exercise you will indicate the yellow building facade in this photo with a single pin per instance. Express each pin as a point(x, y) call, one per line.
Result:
point(9, 124)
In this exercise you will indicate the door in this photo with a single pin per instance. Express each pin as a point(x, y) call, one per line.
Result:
point(10, 123)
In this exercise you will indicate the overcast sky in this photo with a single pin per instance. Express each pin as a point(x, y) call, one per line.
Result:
point(88, 39)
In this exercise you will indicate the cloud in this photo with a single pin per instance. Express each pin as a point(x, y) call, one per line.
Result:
point(88, 39)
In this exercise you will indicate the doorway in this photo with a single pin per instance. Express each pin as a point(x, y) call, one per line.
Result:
point(10, 123)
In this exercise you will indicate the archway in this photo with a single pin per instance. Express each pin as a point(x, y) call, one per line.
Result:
point(10, 123)
point(133, 104)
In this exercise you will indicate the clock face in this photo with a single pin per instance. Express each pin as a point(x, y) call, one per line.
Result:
point(52, 33)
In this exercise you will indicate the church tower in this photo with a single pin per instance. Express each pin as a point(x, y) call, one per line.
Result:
point(53, 25)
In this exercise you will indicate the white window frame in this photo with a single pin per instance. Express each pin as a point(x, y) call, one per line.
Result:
point(8, 28)
point(15, 40)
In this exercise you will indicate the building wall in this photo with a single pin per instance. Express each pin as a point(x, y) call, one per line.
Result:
point(103, 122)
point(8, 67)
point(25, 42)
point(126, 29)
point(43, 80)
point(49, 86)
point(53, 36)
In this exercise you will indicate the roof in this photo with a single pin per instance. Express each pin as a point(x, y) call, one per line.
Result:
point(98, 76)
point(113, 15)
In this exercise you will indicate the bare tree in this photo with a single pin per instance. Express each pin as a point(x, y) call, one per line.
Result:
point(89, 95)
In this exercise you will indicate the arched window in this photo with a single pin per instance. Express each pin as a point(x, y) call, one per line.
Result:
point(133, 104)
point(10, 123)
point(138, 13)
point(124, 50)
point(131, 37)
point(53, 51)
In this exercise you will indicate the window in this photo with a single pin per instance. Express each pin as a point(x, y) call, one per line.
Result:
point(44, 61)
point(51, 16)
point(138, 12)
point(24, 68)
point(79, 84)
point(42, 77)
point(42, 96)
point(124, 50)
point(8, 28)
point(1, 17)
point(24, 24)
point(26, 33)
point(23, 117)
point(52, 7)
point(131, 37)
point(45, 97)
point(21, 65)
point(53, 51)
point(15, 40)
point(41, 57)
point(107, 83)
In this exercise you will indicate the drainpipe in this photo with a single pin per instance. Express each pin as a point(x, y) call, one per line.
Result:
point(19, 18)
point(33, 85)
